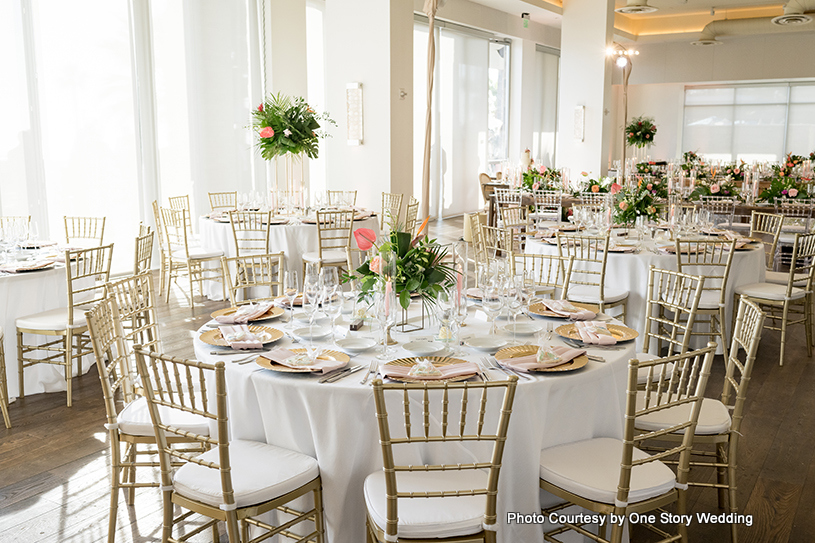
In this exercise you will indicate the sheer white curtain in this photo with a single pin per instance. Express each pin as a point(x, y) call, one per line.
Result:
point(544, 113)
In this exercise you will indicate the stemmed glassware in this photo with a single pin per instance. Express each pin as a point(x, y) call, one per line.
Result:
point(332, 300)
point(291, 284)
point(459, 314)
point(385, 308)
point(312, 297)
point(492, 301)
point(514, 301)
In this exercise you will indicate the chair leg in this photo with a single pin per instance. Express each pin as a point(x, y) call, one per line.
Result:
point(731, 485)
point(808, 324)
point(167, 526)
point(318, 515)
point(721, 474)
point(4, 386)
point(722, 324)
point(192, 291)
point(115, 468)
point(20, 368)
point(369, 537)
point(216, 535)
point(69, 358)
point(682, 509)
point(783, 333)
point(131, 475)
point(169, 281)
point(232, 527)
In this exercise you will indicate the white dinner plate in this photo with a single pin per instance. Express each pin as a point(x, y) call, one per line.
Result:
point(524, 328)
point(356, 344)
point(423, 348)
point(318, 332)
point(489, 344)
point(319, 320)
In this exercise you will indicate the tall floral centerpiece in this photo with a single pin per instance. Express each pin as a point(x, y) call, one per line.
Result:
point(290, 128)
point(634, 201)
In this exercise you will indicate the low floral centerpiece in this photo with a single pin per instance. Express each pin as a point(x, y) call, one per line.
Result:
point(633, 202)
point(640, 132)
point(649, 168)
point(718, 186)
point(597, 186)
point(418, 265)
point(541, 178)
point(288, 126)
point(784, 188)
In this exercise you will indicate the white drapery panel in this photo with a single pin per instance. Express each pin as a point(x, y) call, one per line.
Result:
point(544, 113)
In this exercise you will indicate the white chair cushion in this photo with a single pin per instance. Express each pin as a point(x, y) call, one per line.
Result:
point(591, 469)
point(53, 319)
point(134, 419)
point(197, 253)
point(328, 256)
point(769, 291)
point(714, 417)
point(260, 472)
point(781, 278)
point(709, 299)
point(591, 294)
point(430, 517)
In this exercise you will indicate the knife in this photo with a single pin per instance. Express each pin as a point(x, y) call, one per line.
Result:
point(243, 352)
point(337, 375)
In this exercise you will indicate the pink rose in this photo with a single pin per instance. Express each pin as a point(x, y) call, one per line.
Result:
point(623, 205)
point(736, 171)
point(266, 132)
point(789, 164)
point(649, 186)
point(714, 188)
point(542, 169)
point(260, 107)
point(536, 185)
point(615, 188)
point(792, 193)
point(365, 238)
point(375, 265)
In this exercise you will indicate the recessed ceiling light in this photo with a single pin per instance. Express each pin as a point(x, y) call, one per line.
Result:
point(793, 19)
point(635, 7)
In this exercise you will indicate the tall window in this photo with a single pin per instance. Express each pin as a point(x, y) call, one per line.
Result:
point(750, 122)
point(544, 114)
point(498, 93)
point(315, 55)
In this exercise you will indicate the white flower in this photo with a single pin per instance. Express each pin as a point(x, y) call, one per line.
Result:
point(287, 132)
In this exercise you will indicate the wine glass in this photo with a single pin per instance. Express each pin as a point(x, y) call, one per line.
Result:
point(312, 268)
point(332, 305)
point(514, 301)
point(459, 316)
point(492, 302)
point(385, 308)
point(291, 284)
point(330, 280)
point(312, 296)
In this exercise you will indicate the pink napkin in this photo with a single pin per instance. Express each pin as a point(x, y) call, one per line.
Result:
point(447, 372)
point(284, 302)
point(594, 333)
point(245, 313)
point(564, 308)
point(239, 337)
point(285, 357)
point(622, 248)
point(545, 233)
point(475, 292)
point(530, 362)
point(23, 266)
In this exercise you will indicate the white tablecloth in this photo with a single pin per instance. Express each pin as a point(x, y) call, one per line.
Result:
point(335, 423)
point(293, 240)
point(630, 272)
point(25, 294)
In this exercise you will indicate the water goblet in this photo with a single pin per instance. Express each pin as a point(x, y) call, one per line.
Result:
point(492, 302)
point(385, 309)
point(291, 284)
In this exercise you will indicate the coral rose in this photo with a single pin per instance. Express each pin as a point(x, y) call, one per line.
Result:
point(266, 132)
point(623, 205)
point(649, 186)
point(792, 193)
point(714, 188)
point(595, 188)
point(375, 265)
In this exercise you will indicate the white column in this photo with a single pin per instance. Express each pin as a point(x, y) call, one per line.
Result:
point(523, 97)
point(585, 80)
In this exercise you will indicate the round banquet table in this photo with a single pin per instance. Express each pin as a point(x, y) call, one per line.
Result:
point(629, 271)
point(24, 294)
point(293, 239)
point(335, 423)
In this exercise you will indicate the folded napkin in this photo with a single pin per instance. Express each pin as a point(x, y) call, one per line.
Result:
point(564, 308)
point(245, 313)
point(594, 333)
point(545, 233)
point(546, 357)
point(444, 372)
point(283, 302)
point(285, 357)
point(621, 248)
point(474, 292)
point(25, 266)
point(239, 337)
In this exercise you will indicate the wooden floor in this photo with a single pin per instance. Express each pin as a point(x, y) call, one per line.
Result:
point(54, 478)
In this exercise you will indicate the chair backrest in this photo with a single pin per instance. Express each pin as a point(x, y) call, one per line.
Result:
point(87, 271)
point(710, 259)
point(175, 230)
point(802, 263)
point(250, 231)
point(84, 231)
point(180, 203)
point(549, 271)
point(767, 228)
point(479, 249)
point(721, 208)
point(548, 203)
point(135, 304)
point(391, 208)
point(144, 253)
point(506, 198)
point(497, 240)
point(672, 302)
point(177, 384)
point(672, 381)
point(590, 256)
point(411, 214)
point(486, 190)
point(334, 229)
point(595, 198)
point(144, 229)
point(746, 335)
point(223, 200)
point(341, 197)
point(516, 217)
point(112, 355)
point(159, 227)
point(798, 208)
point(246, 273)
point(22, 222)
point(493, 401)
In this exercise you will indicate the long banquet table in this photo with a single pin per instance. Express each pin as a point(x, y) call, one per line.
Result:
point(335, 423)
point(293, 239)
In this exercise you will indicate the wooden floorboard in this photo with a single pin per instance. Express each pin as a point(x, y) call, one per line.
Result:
point(54, 474)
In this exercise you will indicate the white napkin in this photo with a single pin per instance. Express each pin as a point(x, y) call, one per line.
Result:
point(245, 313)
point(594, 333)
point(239, 337)
point(565, 308)
point(285, 357)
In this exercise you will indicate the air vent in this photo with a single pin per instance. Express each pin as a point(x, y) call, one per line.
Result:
point(792, 19)
point(706, 43)
point(634, 10)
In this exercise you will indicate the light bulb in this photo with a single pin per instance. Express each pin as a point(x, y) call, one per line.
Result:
point(622, 61)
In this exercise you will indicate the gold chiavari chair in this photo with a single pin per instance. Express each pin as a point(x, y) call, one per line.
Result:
point(716, 425)
point(253, 272)
point(144, 253)
point(86, 278)
point(790, 303)
point(767, 228)
point(182, 203)
point(671, 305)
point(549, 273)
point(466, 491)
point(163, 249)
point(722, 209)
point(711, 260)
point(84, 231)
point(645, 483)
point(334, 230)
point(479, 248)
point(184, 257)
point(136, 309)
point(23, 221)
point(236, 480)
point(498, 241)
point(517, 220)
point(548, 206)
point(129, 426)
point(223, 200)
point(391, 209)
point(506, 198)
point(411, 215)
point(144, 229)
point(338, 197)
point(3, 383)
point(250, 231)
point(588, 283)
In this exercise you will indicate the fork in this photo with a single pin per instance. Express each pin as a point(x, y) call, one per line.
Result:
point(508, 371)
point(484, 373)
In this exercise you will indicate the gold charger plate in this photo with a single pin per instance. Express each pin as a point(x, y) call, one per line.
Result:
point(325, 355)
point(525, 350)
point(542, 311)
point(214, 337)
point(22, 268)
point(620, 333)
point(437, 361)
point(273, 312)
